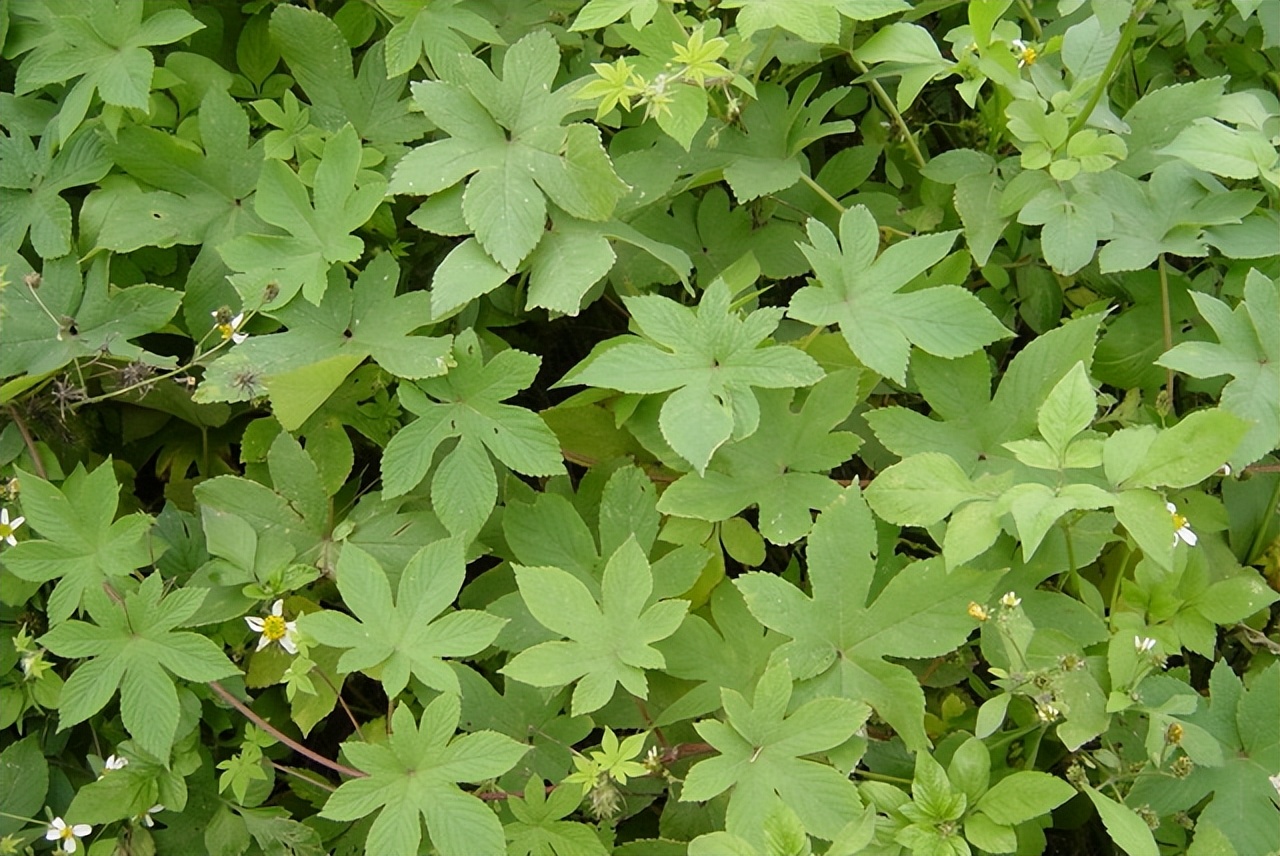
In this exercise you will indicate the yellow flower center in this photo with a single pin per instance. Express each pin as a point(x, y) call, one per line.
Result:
point(274, 628)
point(226, 330)
point(1179, 522)
point(6, 530)
point(66, 832)
point(1028, 55)
point(977, 611)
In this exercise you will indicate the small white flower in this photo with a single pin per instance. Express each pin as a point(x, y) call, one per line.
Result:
point(1047, 711)
point(8, 527)
point(146, 815)
point(1010, 600)
point(1027, 54)
point(113, 762)
point(275, 629)
point(231, 329)
point(1143, 644)
point(69, 835)
point(1225, 471)
point(1182, 529)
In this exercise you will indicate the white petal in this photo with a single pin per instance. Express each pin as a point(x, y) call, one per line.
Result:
point(69, 845)
point(13, 542)
point(277, 608)
point(1187, 535)
point(237, 338)
point(17, 521)
point(4, 517)
point(1173, 509)
point(81, 829)
point(287, 643)
point(263, 642)
point(255, 623)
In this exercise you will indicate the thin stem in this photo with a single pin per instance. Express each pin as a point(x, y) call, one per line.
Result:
point(822, 191)
point(892, 109)
point(1166, 318)
point(1255, 549)
point(36, 463)
point(881, 777)
point(1121, 49)
point(1032, 21)
point(338, 695)
point(281, 736)
point(298, 774)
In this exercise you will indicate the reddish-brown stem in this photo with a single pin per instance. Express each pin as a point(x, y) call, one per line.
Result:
point(280, 736)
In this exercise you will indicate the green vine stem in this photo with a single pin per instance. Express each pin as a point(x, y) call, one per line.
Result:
point(892, 109)
point(1121, 50)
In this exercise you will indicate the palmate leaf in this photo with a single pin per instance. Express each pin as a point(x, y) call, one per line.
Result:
point(840, 640)
point(86, 545)
point(861, 292)
point(508, 133)
point(609, 642)
point(301, 367)
point(816, 21)
point(1249, 351)
point(540, 828)
point(31, 183)
point(415, 773)
point(415, 633)
point(104, 44)
point(709, 358)
point(135, 647)
point(759, 750)
point(433, 28)
point(782, 468)
point(319, 224)
point(1246, 721)
point(89, 316)
point(467, 404)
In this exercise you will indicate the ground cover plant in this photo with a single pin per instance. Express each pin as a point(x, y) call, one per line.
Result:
point(636, 427)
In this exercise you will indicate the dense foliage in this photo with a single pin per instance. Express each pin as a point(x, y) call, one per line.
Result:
point(637, 427)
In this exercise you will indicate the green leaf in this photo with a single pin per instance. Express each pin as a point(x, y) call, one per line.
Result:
point(414, 634)
point(435, 29)
point(135, 647)
point(1073, 224)
point(782, 468)
point(303, 366)
point(1189, 452)
point(710, 358)
point(729, 651)
point(1243, 720)
point(862, 293)
point(318, 225)
point(89, 317)
point(609, 642)
point(921, 490)
point(1127, 830)
point(840, 639)
point(467, 403)
point(509, 133)
point(540, 828)
point(104, 44)
point(759, 748)
point(86, 545)
point(319, 57)
point(1249, 350)
point(415, 773)
point(31, 184)
point(907, 50)
point(24, 781)
point(1024, 795)
point(1068, 409)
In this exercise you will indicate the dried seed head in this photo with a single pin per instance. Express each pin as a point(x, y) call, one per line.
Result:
point(33, 280)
